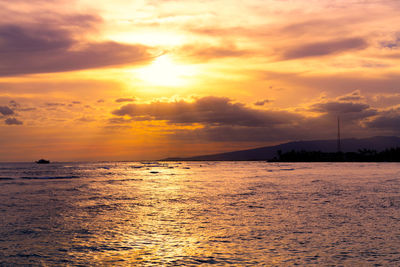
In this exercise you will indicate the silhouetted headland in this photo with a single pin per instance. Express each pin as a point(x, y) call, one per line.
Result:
point(326, 148)
point(363, 155)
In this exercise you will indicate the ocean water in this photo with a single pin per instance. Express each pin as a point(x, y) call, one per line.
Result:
point(200, 213)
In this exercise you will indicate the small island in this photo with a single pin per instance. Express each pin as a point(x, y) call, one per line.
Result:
point(43, 161)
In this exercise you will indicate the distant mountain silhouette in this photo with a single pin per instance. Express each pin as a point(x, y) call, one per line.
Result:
point(378, 143)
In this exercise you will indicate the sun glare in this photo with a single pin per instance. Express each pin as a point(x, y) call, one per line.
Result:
point(163, 71)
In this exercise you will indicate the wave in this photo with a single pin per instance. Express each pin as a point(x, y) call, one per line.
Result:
point(50, 177)
point(104, 167)
point(137, 167)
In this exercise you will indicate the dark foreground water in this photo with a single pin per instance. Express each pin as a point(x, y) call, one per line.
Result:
point(194, 213)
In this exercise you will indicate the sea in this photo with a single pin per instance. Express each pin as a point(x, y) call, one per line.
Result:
point(199, 214)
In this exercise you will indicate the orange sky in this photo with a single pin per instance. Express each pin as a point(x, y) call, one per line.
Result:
point(131, 80)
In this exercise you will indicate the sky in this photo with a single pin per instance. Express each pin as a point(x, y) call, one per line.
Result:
point(133, 80)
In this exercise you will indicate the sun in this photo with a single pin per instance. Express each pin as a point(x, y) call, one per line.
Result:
point(164, 71)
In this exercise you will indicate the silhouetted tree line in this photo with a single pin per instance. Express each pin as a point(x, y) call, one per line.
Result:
point(363, 155)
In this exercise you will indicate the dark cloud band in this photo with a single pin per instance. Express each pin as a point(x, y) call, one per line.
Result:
point(208, 110)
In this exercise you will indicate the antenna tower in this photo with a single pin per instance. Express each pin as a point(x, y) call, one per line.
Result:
point(339, 149)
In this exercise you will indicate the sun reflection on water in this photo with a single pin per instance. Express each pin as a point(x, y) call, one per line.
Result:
point(220, 213)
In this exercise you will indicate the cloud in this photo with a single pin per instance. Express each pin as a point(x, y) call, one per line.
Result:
point(325, 48)
point(355, 96)
point(228, 133)
point(53, 104)
point(208, 111)
point(392, 44)
point(119, 121)
point(293, 38)
point(348, 112)
point(27, 109)
point(206, 52)
point(339, 107)
point(387, 120)
point(337, 83)
point(314, 27)
point(217, 31)
point(85, 119)
point(386, 100)
point(387, 123)
point(262, 102)
point(56, 47)
point(119, 100)
point(5, 111)
point(13, 121)
point(14, 104)
point(290, 29)
point(220, 119)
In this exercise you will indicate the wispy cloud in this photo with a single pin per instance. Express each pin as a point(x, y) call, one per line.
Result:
point(325, 48)
point(13, 121)
point(125, 99)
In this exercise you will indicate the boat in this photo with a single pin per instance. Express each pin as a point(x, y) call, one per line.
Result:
point(43, 161)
